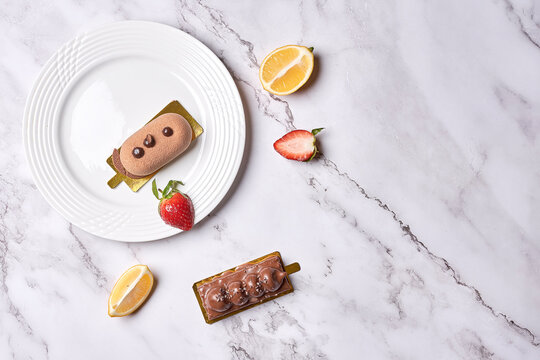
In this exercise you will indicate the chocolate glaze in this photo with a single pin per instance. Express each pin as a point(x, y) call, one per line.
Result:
point(248, 284)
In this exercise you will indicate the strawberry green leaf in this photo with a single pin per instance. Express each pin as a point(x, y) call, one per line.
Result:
point(311, 48)
point(154, 189)
point(174, 184)
point(168, 188)
point(316, 131)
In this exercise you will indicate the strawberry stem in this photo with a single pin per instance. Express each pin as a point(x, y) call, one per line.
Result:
point(155, 189)
point(316, 131)
point(315, 151)
point(168, 188)
point(168, 191)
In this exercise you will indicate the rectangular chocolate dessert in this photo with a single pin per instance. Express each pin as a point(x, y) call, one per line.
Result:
point(243, 287)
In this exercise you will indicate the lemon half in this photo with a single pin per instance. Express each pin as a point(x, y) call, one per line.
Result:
point(286, 69)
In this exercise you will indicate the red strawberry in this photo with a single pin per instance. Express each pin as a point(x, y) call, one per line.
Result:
point(175, 207)
point(298, 145)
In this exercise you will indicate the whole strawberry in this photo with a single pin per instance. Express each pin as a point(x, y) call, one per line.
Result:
point(175, 207)
point(298, 145)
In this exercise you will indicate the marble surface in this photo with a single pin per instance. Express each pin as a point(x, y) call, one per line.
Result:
point(417, 230)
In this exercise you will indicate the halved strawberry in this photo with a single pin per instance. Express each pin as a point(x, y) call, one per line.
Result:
point(298, 145)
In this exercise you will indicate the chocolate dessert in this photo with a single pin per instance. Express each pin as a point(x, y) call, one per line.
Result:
point(245, 286)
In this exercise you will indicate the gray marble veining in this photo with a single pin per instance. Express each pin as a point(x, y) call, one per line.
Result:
point(417, 228)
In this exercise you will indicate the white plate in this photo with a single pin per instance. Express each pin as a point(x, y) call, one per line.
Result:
point(101, 87)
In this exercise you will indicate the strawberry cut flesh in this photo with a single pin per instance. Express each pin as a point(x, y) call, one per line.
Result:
point(296, 145)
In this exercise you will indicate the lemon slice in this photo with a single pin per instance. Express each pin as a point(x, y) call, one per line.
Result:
point(130, 291)
point(286, 69)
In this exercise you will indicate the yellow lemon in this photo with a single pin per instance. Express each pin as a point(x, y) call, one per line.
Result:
point(286, 69)
point(130, 291)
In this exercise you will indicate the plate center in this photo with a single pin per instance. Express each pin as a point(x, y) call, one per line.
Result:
point(108, 102)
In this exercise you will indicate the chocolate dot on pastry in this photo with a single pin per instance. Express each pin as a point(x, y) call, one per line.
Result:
point(167, 131)
point(149, 141)
point(138, 152)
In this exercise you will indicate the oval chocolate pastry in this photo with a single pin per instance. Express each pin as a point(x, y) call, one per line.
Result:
point(164, 138)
